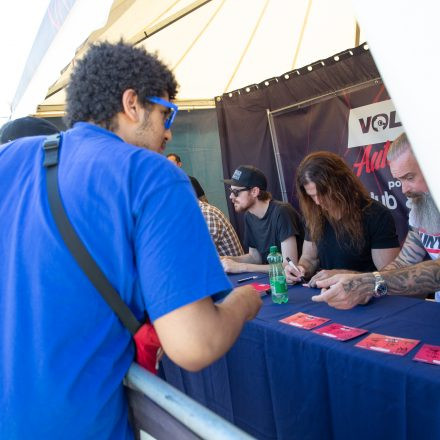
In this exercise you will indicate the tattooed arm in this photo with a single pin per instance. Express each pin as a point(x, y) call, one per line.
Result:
point(412, 252)
point(345, 291)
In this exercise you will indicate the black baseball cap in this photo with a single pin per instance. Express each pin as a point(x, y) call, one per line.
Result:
point(248, 176)
point(27, 126)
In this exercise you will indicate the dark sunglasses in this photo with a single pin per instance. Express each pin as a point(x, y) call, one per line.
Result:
point(236, 192)
point(172, 108)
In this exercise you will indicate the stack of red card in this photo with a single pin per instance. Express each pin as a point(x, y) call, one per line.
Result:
point(374, 341)
point(429, 354)
point(387, 344)
point(303, 320)
point(340, 332)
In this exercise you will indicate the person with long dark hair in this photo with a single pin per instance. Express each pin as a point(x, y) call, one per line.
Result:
point(346, 230)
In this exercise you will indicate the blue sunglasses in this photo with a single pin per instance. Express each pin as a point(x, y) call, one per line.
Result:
point(173, 109)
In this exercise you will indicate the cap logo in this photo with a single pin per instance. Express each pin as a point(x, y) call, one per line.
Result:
point(236, 175)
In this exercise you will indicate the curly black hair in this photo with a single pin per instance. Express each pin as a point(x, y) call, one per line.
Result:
point(99, 79)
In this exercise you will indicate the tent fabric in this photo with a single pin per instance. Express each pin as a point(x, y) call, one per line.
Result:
point(214, 46)
point(243, 121)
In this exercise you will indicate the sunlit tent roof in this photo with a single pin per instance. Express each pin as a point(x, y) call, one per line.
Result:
point(216, 46)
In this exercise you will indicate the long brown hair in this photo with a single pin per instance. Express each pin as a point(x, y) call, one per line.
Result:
point(338, 187)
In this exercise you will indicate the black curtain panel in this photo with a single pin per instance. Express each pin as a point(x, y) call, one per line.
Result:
point(338, 104)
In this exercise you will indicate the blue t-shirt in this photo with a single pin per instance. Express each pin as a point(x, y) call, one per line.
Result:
point(63, 352)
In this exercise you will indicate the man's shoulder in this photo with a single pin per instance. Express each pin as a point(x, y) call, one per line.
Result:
point(376, 206)
point(24, 144)
point(116, 149)
point(376, 210)
point(143, 172)
point(283, 207)
point(278, 204)
point(211, 210)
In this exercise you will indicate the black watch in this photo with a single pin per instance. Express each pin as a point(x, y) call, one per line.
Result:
point(380, 286)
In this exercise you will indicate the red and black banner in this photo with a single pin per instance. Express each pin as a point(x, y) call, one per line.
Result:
point(359, 126)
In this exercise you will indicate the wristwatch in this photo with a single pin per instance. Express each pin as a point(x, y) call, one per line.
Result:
point(380, 286)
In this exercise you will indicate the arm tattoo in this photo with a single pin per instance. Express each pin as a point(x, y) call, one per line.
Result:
point(412, 252)
point(362, 285)
point(419, 279)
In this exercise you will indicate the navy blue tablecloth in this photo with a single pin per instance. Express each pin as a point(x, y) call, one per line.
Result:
point(282, 382)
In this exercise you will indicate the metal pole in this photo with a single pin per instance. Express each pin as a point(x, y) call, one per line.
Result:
point(325, 96)
point(276, 152)
point(196, 417)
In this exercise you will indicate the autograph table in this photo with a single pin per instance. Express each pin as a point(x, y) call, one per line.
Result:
point(283, 382)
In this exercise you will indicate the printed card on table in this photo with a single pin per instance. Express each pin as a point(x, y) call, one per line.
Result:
point(303, 320)
point(340, 332)
point(387, 344)
point(429, 354)
point(260, 287)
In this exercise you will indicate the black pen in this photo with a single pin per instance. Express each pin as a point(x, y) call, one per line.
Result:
point(292, 264)
point(254, 277)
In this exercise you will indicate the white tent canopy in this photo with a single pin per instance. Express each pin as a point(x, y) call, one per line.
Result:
point(215, 46)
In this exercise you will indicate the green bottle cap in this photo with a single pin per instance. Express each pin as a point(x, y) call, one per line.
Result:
point(273, 249)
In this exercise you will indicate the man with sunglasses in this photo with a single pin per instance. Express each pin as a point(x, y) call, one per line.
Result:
point(63, 351)
point(267, 222)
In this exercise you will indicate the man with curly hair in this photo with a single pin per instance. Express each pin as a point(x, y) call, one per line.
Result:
point(63, 351)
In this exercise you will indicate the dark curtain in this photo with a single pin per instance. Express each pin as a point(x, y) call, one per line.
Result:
point(244, 129)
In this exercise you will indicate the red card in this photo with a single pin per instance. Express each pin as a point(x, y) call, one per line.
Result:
point(303, 320)
point(340, 332)
point(387, 344)
point(260, 287)
point(429, 354)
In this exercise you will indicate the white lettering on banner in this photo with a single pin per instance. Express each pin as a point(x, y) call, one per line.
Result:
point(373, 124)
point(386, 198)
point(394, 184)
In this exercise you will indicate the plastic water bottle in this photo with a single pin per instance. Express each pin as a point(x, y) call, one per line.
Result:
point(277, 276)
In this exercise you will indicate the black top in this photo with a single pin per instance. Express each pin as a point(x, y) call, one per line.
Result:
point(379, 233)
point(197, 187)
point(280, 222)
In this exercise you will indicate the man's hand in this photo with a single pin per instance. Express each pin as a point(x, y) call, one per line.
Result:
point(251, 298)
point(231, 266)
point(325, 274)
point(345, 291)
point(292, 275)
point(197, 334)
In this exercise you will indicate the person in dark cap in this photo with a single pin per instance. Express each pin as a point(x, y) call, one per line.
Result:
point(267, 222)
point(27, 126)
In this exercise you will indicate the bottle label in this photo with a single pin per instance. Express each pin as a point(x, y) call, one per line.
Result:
point(278, 285)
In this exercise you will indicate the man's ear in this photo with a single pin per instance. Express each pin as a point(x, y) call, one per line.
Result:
point(131, 105)
point(255, 191)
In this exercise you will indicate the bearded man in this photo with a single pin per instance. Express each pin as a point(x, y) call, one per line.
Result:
point(408, 274)
point(267, 222)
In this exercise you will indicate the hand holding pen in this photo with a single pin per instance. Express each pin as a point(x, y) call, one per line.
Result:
point(294, 273)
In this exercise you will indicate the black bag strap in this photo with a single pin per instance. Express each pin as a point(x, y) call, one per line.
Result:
point(74, 243)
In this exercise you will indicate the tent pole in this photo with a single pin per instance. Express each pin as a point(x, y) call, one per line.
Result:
point(149, 31)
